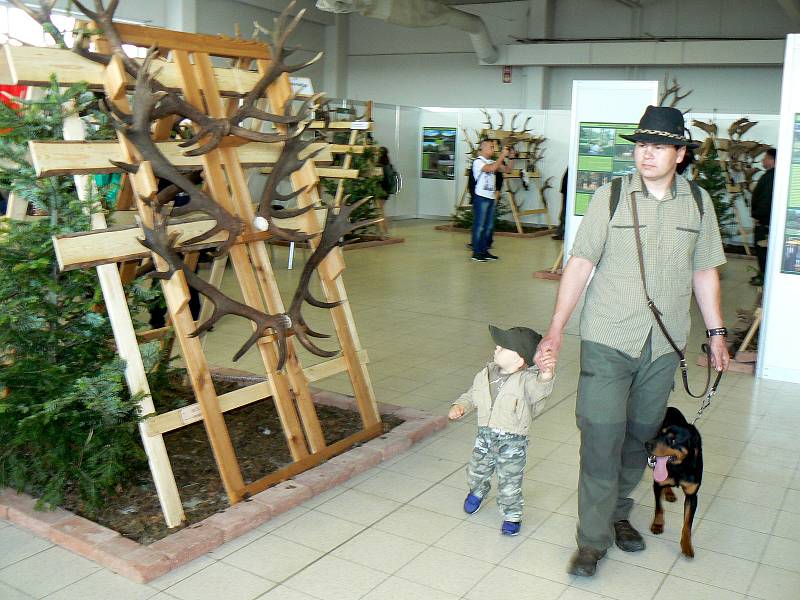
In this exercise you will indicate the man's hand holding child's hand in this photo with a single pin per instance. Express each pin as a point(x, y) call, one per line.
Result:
point(548, 366)
point(456, 412)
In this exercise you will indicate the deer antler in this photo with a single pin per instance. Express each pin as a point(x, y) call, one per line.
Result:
point(136, 128)
point(488, 120)
point(502, 124)
point(159, 241)
point(672, 91)
point(337, 225)
point(152, 101)
point(710, 128)
point(740, 126)
point(472, 148)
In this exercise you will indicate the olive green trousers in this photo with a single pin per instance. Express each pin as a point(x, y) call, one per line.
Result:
point(621, 404)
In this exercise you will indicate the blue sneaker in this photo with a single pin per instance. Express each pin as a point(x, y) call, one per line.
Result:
point(510, 527)
point(472, 504)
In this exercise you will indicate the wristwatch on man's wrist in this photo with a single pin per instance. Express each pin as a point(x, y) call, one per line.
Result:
point(716, 331)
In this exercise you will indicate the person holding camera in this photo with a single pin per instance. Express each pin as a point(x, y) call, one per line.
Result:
point(484, 171)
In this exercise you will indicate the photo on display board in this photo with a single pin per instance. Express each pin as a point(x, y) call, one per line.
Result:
point(602, 155)
point(791, 243)
point(438, 153)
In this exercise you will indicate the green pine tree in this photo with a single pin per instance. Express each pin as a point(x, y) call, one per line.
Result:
point(709, 175)
point(361, 187)
point(67, 421)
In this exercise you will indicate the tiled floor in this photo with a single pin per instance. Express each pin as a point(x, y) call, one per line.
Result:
point(398, 532)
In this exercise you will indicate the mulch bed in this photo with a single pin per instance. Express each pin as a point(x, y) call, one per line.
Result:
point(260, 447)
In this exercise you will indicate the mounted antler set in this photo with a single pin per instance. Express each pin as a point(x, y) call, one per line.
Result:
point(672, 94)
point(152, 102)
point(533, 145)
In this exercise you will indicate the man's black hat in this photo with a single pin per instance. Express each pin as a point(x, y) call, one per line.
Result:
point(521, 340)
point(661, 125)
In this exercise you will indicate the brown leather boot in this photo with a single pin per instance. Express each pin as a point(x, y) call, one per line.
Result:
point(628, 539)
point(584, 562)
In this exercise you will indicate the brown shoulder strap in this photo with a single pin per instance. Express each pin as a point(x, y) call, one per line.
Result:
point(657, 313)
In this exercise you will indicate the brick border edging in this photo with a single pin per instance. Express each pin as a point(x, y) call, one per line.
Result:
point(142, 563)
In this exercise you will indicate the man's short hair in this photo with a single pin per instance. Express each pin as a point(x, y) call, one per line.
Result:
point(771, 153)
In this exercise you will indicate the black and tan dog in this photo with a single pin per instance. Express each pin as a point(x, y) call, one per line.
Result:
point(677, 458)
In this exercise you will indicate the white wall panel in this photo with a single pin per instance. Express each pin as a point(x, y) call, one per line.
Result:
point(432, 80)
point(215, 17)
point(777, 346)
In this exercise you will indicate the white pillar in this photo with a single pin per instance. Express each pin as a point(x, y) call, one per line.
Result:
point(337, 49)
point(540, 25)
point(181, 15)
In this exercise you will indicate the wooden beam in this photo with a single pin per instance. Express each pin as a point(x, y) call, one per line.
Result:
point(215, 45)
point(70, 158)
point(343, 148)
point(329, 172)
point(368, 433)
point(176, 293)
point(175, 419)
point(330, 270)
point(120, 244)
point(116, 305)
point(359, 125)
point(32, 65)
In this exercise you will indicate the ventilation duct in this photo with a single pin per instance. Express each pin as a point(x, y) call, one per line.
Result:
point(420, 13)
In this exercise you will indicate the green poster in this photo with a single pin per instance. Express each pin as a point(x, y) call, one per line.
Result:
point(438, 153)
point(602, 155)
point(790, 262)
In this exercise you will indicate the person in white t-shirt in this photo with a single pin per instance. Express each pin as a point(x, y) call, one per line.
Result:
point(483, 200)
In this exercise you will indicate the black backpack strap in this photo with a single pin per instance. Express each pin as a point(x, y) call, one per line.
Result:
point(698, 197)
point(613, 201)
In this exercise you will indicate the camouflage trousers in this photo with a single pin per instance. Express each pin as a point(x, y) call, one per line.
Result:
point(505, 453)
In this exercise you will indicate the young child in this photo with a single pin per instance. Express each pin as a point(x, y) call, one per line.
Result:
point(507, 393)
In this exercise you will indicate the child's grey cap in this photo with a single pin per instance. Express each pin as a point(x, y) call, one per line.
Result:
point(521, 340)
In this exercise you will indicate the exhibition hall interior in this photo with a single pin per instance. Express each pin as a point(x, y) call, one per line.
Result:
point(290, 289)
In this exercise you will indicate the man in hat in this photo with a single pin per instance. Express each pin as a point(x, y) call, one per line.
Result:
point(627, 364)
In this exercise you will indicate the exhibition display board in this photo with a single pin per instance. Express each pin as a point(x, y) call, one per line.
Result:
point(777, 348)
point(602, 155)
point(601, 110)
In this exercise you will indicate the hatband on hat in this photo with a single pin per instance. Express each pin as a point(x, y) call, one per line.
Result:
point(661, 125)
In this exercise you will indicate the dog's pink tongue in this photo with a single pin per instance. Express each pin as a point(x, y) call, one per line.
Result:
point(660, 470)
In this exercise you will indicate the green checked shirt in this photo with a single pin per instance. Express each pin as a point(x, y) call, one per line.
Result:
point(675, 243)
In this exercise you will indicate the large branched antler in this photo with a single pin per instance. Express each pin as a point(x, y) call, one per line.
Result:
point(276, 40)
point(488, 121)
point(159, 241)
point(337, 225)
point(288, 162)
point(153, 101)
point(672, 94)
point(136, 127)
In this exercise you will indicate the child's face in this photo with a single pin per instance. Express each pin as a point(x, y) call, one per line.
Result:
point(506, 359)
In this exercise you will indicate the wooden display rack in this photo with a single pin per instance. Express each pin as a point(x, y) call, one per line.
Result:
point(525, 140)
point(556, 271)
point(732, 151)
point(190, 71)
point(358, 141)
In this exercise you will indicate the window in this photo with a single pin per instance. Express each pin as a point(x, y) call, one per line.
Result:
point(17, 28)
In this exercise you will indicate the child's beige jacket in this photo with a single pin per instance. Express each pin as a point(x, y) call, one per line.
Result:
point(521, 398)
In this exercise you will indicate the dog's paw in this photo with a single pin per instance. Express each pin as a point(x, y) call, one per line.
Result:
point(669, 495)
point(657, 528)
point(686, 549)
